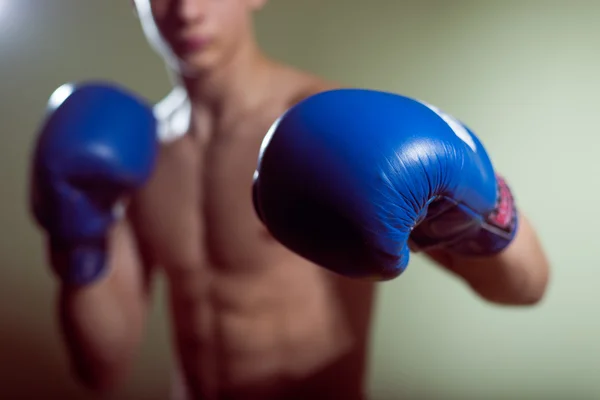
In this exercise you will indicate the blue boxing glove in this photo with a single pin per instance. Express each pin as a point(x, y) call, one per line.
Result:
point(353, 180)
point(96, 147)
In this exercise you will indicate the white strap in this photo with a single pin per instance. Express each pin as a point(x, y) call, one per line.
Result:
point(173, 114)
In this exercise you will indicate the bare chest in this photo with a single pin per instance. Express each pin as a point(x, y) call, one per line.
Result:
point(277, 316)
point(198, 210)
point(201, 227)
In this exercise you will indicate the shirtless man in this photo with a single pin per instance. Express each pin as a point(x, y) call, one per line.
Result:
point(251, 319)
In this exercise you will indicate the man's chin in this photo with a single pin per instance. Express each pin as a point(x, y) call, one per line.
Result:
point(193, 64)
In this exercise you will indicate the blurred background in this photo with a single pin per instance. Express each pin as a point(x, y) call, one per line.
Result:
point(523, 74)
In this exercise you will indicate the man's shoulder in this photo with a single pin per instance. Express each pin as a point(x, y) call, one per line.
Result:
point(303, 84)
point(313, 85)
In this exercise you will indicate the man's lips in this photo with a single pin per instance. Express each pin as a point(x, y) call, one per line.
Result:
point(192, 44)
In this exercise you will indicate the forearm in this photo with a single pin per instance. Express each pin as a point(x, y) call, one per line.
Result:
point(102, 322)
point(99, 336)
point(517, 276)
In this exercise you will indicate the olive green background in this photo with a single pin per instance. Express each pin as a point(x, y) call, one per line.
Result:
point(522, 74)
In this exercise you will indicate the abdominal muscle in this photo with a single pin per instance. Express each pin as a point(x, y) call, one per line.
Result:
point(259, 334)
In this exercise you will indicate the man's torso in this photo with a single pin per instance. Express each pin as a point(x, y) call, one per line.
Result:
point(251, 319)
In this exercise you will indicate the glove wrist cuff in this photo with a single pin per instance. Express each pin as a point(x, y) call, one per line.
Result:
point(497, 229)
point(454, 226)
point(79, 263)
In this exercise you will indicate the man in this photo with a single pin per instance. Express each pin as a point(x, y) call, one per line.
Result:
point(251, 319)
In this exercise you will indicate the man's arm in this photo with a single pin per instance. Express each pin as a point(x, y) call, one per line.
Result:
point(80, 172)
point(102, 323)
point(518, 275)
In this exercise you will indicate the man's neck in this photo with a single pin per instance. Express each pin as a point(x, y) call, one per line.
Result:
point(233, 85)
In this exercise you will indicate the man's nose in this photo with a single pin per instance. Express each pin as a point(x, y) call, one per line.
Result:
point(192, 10)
